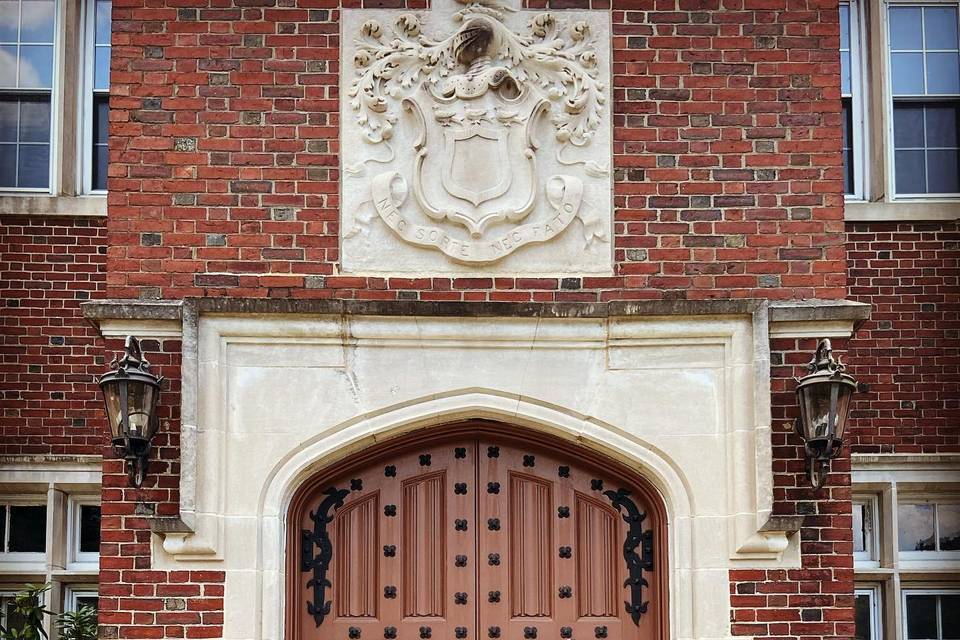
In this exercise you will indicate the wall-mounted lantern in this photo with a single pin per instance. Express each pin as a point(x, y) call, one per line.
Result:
point(130, 394)
point(824, 398)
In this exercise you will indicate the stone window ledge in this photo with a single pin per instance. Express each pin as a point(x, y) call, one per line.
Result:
point(902, 211)
point(47, 205)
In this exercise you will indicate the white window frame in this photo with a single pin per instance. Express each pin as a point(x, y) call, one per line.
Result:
point(923, 591)
point(935, 555)
point(870, 556)
point(872, 592)
point(24, 559)
point(76, 591)
point(75, 557)
point(86, 93)
point(896, 478)
point(858, 113)
point(56, 90)
point(889, 151)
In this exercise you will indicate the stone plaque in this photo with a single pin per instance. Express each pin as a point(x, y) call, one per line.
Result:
point(476, 138)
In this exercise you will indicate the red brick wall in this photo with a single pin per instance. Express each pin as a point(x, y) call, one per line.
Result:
point(727, 155)
point(815, 600)
point(908, 354)
point(137, 600)
point(49, 354)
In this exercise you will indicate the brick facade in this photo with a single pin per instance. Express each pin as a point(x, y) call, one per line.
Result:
point(908, 353)
point(136, 599)
point(815, 600)
point(49, 353)
point(224, 169)
point(224, 182)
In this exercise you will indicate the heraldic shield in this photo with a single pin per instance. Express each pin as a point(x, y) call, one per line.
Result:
point(486, 170)
point(487, 133)
point(463, 151)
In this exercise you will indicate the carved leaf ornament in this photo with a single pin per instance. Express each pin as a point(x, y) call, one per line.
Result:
point(557, 56)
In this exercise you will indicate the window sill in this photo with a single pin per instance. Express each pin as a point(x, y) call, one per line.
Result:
point(47, 205)
point(901, 211)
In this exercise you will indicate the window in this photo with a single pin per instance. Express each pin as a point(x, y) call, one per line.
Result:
point(24, 527)
point(867, 613)
point(8, 617)
point(66, 513)
point(27, 30)
point(84, 530)
point(97, 97)
point(851, 101)
point(927, 527)
point(931, 614)
point(925, 87)
point(865, 543)
point(81, 596)
point(908, 587)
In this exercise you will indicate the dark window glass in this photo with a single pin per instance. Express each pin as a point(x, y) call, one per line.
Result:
point(28, 529)
point(89, 528)
point(950, 616)
point(847, 145)
point(908, 126)
point(24, 141)
point(101, 111)
point(943, 171)
point(911, 171)
point(922, 617)
point(862, 612)
point(87, 601)
point(8, 165)
point(927, 151)
point(33, 165)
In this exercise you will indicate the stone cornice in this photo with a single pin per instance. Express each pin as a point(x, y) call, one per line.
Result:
point(779, 311)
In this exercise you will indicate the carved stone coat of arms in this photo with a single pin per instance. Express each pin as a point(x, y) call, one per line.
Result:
point(475, 138)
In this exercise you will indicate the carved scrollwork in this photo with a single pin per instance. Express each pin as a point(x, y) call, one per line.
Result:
point(557, 55)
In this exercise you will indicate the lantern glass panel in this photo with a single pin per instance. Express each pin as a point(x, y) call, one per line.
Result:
point(815, 407)
point(815, 404)
point(844, 396)
point(111, 397)
point(140, 401)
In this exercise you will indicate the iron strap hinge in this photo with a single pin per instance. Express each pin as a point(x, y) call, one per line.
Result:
point(646, 550)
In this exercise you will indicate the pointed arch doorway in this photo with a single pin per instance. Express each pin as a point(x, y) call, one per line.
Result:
point(477, 530)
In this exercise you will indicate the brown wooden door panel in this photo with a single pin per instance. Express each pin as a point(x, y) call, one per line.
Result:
point(476, 536)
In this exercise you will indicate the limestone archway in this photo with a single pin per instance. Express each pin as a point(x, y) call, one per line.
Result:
point(330, 451)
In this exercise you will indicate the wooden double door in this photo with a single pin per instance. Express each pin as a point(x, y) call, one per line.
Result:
point(475, 536)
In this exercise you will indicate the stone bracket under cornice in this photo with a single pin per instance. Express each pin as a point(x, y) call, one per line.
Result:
point(772, 539)
point(179, 539)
